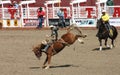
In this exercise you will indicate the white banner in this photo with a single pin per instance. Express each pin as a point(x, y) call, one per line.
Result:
point(85, 22)
point(115, 21)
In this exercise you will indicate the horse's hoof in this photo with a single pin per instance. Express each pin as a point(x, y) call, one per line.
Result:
point(108, 46)
point(82, 42)
point(100, 48)
point(85, 36)
point(43, 67)
point(47, 67)
point(111, 46)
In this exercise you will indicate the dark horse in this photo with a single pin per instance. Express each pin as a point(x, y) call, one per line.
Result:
point(103, 33)
point(65, 40)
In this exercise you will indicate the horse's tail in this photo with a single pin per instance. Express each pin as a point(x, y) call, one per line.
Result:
point(115, 32)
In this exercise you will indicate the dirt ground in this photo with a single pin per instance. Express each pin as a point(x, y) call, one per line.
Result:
point(17, 58)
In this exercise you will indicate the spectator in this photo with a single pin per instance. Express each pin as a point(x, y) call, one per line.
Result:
point(54, 32)
point(41, 15)
point(11, 11)
point(60, 14)
point(15, 4)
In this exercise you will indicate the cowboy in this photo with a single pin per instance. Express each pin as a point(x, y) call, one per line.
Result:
point(60, 14)
point(41, 15)
point(16, 5)
point(53, 37)
point(105, 18)
point(54, 32)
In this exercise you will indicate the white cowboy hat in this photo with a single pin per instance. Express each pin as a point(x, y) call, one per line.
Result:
point(14, 2)
point(103, 10)
point(44, 42)
point(52, 26)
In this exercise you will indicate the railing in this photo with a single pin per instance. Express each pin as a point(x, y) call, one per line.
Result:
point(31, 12)
point(81, 12)
point(113, 10)
point(51, 13)
point(5, 13)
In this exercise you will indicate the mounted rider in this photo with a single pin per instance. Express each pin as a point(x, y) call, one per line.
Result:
point(52, 38)
point(54, 32)
point(105, 18)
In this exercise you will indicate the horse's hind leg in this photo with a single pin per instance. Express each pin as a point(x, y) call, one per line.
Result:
point(112, 44)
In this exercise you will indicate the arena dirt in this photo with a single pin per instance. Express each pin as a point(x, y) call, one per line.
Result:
point(17, 58)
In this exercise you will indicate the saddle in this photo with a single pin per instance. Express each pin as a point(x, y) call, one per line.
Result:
point(109, 29)
point(110, 32)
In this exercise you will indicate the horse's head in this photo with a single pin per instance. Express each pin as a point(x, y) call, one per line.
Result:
point(37, 51)
point(99, 23)
point(102, 31)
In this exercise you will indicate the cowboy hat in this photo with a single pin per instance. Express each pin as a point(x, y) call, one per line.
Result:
point(103, 10)
point(52, 26)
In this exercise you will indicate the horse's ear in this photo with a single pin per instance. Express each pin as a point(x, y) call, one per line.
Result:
point(97, 19)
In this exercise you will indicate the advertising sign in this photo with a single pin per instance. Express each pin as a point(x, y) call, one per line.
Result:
point(55, 22)
point(85, 22)
point(31, 22)
point(115, 22)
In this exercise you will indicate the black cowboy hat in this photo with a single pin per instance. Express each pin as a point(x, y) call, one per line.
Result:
point(40, 8)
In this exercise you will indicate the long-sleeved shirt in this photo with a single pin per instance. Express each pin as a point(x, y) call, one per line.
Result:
point(40, 13)
point(105, 17)
point(60, 13)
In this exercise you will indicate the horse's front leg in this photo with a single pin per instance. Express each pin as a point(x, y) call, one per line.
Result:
point(106, 43)
point(49, 60)
point(100, 40)
point(45, 62)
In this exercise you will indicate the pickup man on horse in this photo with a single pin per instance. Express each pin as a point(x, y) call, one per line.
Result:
point(105, 18)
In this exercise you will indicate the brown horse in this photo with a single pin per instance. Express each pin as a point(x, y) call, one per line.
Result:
point(65, 40)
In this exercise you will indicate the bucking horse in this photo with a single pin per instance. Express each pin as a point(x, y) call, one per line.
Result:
point(66, 39)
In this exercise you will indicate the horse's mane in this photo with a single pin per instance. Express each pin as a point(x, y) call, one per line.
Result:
point(100, 24)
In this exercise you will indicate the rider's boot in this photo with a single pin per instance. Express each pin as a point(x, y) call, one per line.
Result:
point(46, 47)
point(110, 30)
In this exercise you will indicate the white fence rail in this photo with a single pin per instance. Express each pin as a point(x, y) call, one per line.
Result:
point(51, 13)
point(81, 12)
